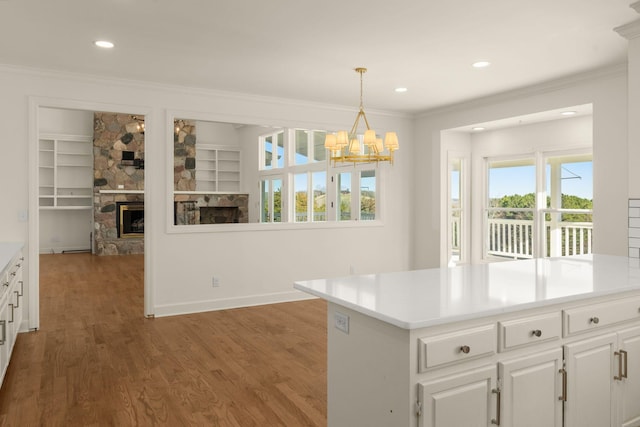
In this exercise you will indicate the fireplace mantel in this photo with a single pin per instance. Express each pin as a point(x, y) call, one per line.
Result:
point(121, 191)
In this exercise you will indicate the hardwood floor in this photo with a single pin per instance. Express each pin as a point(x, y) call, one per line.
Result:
point(96, 361)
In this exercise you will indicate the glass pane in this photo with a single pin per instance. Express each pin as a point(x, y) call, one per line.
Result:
point(575, 182)
point(456, 211)
point(277, 200)
point(512, 184)
point(344, 189)
point(319, 152)
point(368, 195)
point(280, 142)
point(300, 188)
point(319, 196)
point(264, 185)
point(510, 237)
point(268, 152)
point(302, 147)
point(455, 184)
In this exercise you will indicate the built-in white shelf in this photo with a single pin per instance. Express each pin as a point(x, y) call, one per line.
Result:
point(217, 169)
point(65, 164)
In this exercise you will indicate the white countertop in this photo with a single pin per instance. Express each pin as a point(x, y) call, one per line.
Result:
point(422, 298)
point(7, 252)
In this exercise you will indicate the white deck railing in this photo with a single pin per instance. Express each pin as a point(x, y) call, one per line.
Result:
point(514, 238)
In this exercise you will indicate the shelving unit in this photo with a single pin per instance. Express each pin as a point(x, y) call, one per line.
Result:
point(65, 165)
point(217, 168)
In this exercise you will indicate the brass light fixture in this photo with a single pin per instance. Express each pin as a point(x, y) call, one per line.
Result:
point(345, 146)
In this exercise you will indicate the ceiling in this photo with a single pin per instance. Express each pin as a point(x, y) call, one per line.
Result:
point(302, 49)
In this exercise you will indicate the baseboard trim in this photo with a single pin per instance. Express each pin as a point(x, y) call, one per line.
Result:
point(228, 303)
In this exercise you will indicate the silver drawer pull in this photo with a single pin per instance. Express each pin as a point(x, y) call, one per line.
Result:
point(536, 333)
point(594, 320)
point(465, 349)
point(4, 331)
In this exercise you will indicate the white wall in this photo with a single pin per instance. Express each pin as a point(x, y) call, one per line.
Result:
point(254, 266)
point(606, 90)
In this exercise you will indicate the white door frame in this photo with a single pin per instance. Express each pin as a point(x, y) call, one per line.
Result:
point(35, 103)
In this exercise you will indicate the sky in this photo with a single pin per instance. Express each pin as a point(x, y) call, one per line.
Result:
point(577, 180)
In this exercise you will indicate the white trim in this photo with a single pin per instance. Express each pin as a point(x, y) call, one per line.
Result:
point(229, 303)
point(35, 103)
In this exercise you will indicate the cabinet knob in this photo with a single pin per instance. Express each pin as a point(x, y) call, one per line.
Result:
point(465, 349)
point(536, 333)
point(594, 320)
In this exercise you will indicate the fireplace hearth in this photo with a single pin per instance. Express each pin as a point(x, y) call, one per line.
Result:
point(130, 219)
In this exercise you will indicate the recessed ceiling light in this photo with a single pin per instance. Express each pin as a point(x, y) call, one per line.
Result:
point(569, 113)
point(481, 64)
point(401, 89)
point(478, 128)
point(104, 44)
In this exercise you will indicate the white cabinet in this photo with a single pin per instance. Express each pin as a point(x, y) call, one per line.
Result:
point(573, 364)
point(217, 168)
point(629, 377)
point(65, 165)
point(532, 390)
point(604, 380)
point(589, 366)
point(463, 399)
point(11, 306)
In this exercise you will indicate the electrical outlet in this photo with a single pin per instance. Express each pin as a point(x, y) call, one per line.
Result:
point(215, 281)
point(341, 322)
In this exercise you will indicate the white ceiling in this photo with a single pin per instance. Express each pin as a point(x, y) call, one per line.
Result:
point(306, 50)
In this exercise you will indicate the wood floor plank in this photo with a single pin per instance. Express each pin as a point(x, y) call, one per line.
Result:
point(96, 361)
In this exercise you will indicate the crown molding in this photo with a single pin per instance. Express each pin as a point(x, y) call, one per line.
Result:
point(189, 90)
point(632, 29)
point(537, 89)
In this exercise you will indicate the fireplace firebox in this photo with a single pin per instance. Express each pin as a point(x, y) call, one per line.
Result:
point(130, 219)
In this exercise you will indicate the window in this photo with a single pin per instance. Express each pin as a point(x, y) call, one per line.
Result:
point(271, 197)
point(569, 204)
point(272, 151)
point(344, 192)
point(539, 206)
point(368, 195)
point(309, 141)
point(512, 205)
point(296, 159)
point(456, 210)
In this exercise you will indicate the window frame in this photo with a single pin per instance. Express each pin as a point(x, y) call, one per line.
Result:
point(539, 160)
point(290, 169)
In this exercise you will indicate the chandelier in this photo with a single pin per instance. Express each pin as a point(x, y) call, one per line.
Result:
point(345, 146)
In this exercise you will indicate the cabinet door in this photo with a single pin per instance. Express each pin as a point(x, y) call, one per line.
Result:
point(4, 335)
point(531, 387)
point(464, 399)
point(629, 387)
point(589, 365)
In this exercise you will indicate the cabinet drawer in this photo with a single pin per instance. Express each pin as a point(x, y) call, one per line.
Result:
point(595, 316)
point(530, 330)
point(456, 346)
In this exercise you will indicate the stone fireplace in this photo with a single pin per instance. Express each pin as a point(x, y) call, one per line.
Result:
point(118, 182)
point(211, 209)
point(130, 220)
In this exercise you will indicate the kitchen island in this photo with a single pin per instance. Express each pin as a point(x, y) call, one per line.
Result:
point(542, 342)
